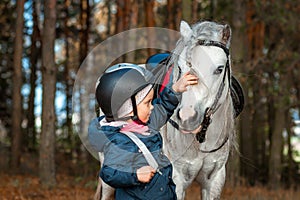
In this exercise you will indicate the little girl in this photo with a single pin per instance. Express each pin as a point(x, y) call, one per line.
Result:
point(125, 94)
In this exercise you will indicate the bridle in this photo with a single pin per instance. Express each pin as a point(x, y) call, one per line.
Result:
point(201, 135)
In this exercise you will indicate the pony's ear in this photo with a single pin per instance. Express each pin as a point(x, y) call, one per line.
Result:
point(185, 30)
point(226, 35)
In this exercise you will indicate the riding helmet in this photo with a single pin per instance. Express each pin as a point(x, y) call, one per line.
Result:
point(119, 84)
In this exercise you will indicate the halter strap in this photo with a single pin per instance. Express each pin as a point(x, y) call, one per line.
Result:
point(214, 43)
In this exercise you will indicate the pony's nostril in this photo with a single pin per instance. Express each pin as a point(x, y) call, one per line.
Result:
point(195, 116)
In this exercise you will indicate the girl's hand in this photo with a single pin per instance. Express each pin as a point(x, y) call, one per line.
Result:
point(145, 174)
point(186, 80)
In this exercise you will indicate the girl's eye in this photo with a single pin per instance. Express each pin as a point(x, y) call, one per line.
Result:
point(219, 70)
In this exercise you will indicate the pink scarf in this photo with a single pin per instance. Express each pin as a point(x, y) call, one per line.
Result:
point(136, 128)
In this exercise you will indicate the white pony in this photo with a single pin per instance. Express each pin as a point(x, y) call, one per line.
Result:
point(200, 134)
point(199, 138)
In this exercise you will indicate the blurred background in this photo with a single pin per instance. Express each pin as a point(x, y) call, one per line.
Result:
point(44, 42)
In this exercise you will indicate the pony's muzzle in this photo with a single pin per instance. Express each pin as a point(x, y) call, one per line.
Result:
point(187, 117)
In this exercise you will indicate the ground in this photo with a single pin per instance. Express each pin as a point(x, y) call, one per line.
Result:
point(26, 187)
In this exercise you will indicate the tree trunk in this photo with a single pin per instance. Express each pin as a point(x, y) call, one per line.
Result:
point(67, 77)
point(238, 54)
point(213, 8)
point(258, 132)
point(195, 6)
point(290, 168)
point(275, 166)
point(119, 16)
point(68, 80)
point(84, 31)
point(171, 22)
point(126, 24)
point(134, 13)
point(170, 17)
point(47, 144)
point(251, 133)
point(85, 115)
point(34, 55)
point(187, 10)
point(150, 22)
point(85, 25)
point(126, 14)
point(109, 17)
point(246, 116)
point(17, 84)
point(120, 27)
point(178, 13)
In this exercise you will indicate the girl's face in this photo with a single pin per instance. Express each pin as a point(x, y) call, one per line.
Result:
point(144, 108)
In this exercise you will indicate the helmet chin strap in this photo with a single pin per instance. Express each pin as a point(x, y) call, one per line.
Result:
point(135, 112)
point(134, 108)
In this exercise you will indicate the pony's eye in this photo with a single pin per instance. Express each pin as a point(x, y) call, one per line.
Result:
point(219, 70)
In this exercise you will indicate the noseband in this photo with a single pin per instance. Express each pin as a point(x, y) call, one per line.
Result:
point(201, 135)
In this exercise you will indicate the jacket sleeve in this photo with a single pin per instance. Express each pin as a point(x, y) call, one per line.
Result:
point(119, 167)
point(164, 107)
point(96, 138)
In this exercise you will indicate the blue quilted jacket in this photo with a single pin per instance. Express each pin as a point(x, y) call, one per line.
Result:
point(123, 157)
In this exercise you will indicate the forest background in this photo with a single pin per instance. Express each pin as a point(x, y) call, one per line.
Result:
point(43, 44)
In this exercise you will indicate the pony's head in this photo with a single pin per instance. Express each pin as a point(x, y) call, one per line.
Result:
point(203, 49)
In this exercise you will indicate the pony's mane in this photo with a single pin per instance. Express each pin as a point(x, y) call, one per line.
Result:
point(207, 30)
